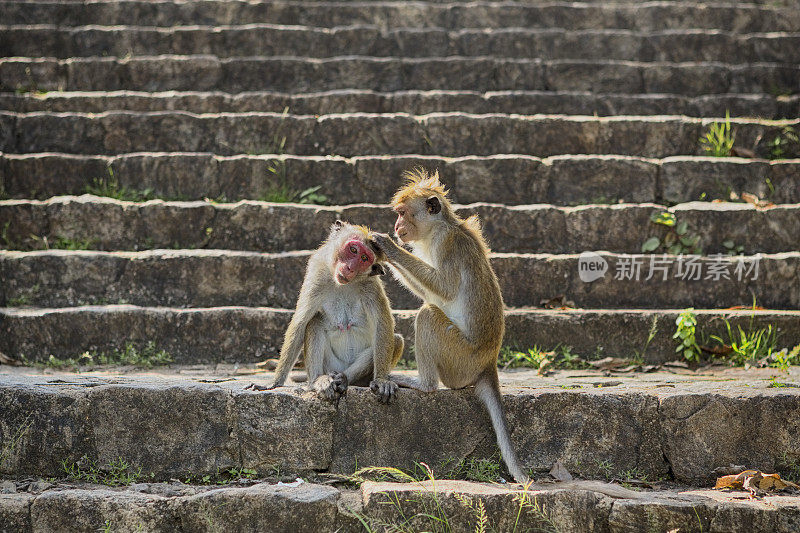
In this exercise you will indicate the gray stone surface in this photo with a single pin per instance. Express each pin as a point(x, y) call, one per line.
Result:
point(205, 278)
point(657, 425)
point(275, 507)
point(746, 18)
point(446, 134)
point(567, 179)
point(109, 224)
point(203, 73)
point(246, 335)
point(358, 40)
point(417, 102)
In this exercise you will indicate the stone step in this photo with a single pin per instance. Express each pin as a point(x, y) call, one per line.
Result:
point(298, 74)
point(240, 335)
point(49, 40)
point(415, 102)
point(201, 278)
point(178, 424)
point(107, 224)
point(649, 16)
point(373, 179)
point(167, 508)
point(447, 134)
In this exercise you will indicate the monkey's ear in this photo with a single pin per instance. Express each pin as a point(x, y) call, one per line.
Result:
point(377, 270)
point(433, 205)
point(338, 224)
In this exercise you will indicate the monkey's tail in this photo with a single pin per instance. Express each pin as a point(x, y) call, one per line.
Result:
point(487, 388)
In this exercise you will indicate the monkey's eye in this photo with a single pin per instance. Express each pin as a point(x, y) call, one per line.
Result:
point(364, 258)
point(353, 249)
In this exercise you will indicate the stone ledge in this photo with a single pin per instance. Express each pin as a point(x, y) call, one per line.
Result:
point(117, 225)
point(171, 424)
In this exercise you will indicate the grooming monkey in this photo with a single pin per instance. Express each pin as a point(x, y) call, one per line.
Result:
point(342, 323)
point(459, 329)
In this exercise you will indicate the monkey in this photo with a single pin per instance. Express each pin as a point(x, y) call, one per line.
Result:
point(459, 329)
point(342, 322)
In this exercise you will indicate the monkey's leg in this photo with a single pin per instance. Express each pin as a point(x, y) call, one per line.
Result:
point(318, 352)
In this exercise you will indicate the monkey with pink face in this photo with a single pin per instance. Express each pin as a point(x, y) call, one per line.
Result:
point(342, 324)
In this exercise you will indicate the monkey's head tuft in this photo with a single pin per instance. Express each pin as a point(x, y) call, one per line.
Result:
point(419, 203)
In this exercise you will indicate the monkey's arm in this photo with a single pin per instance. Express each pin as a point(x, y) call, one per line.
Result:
point(441, 282)
point(294, 340)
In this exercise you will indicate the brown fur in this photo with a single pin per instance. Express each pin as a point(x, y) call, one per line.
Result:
point(322, 304)
point(459, 329)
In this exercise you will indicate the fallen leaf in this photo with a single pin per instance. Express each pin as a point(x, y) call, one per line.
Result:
point(6, 360)
point(557, 302)
point(610, 363)
point(560, 473)
point(754, 481)
point(717, 350)
point(743, 152)
point(545, 365)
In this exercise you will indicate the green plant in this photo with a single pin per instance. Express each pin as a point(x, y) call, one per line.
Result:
point(785, 358)
point(115, 473)
point(4, 238)
point(23, 299)
point(130, 355)
point(731, 248)
point(510, 358)
point(718, 140)
point(63, 243)
point(109, 187)
point(747, 346)
point(785, 144)
point(686, 325)
point(790, 464)
point(484, 470)
point(675, 238)
point(12, 444)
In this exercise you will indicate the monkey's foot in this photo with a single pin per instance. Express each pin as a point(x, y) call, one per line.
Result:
point(331, 387)
point(384, 389)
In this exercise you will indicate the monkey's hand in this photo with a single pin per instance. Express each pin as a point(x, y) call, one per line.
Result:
point(331, 386)
point(383, 242)
point(384, 389)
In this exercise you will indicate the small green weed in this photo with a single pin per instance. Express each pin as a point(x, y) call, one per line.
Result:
point(748, 346)
point(63, 243)
point(675, 238)
point(786, 144)
point(718, 141)
point(109, 187)
point(23, 299)
point(5, 240)
point(222, 477)
point(686, 325)
point(790, 466)
point(785, 358)
point(12, 444)
point(510, 358)
point(472, 469)
point(146, 357)
point(115, 473)
point(731, 248)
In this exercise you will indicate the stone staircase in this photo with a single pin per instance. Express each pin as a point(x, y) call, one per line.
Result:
point(565, 126)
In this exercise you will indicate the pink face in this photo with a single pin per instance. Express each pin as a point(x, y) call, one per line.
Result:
point(354, 258)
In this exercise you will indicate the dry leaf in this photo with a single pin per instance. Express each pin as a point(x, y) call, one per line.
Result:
point(754, 481)
point(560, 473)
point(557, 302)
point(610, 363)
point(545, 365)
point(6, 360)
